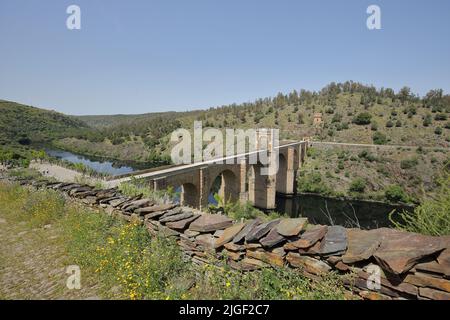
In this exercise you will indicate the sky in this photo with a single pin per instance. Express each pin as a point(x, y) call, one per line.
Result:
point(141, 56)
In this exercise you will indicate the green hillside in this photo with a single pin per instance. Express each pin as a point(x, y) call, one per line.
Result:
point(24, 125)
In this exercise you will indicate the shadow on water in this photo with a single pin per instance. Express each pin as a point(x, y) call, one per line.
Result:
point(348, 213)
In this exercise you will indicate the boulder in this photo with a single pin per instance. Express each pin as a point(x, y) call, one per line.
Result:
point(210, 222)
point(291, 227)
point(206, 240)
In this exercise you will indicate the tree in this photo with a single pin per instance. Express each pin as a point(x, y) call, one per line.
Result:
point(362, 118)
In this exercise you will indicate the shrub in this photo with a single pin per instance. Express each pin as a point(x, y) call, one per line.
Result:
point(438, 130)
point(409, 163)
point(432, 217)
point(427, 120)
point(358, 185)
point(373, 126)
point(362, 118)
point(389, 124)
point(440, 117)
point(312, 183)
point(379, 138)
point(395, 193)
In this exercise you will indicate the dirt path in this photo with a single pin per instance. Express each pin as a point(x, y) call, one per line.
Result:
point(33, 264)
point(61, 173)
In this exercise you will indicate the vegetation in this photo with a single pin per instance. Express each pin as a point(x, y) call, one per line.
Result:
point(395, 193)
point(129, 264)
point(432, 217)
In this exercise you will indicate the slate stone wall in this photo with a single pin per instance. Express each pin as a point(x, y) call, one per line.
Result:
point(411, 266)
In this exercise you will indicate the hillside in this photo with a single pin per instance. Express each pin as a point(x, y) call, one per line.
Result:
point(24, 125)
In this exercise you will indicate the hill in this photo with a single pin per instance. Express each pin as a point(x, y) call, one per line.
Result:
point(24, 125)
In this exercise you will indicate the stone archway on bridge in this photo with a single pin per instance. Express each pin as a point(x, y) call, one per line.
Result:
point(229, 185)
point(260, 188)
point(189, 195)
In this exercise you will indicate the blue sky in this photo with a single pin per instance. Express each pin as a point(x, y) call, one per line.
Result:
point(145, 56)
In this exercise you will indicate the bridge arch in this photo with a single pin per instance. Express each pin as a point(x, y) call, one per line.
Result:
point(189, 195)
point(229, 185)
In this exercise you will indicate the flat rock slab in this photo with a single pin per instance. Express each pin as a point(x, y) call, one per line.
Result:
point(172, 212)
point(182, 224)
point(210, 222)
point(247, 228)
point(137, 204)
point(267, 257)
point(176, 217)
point(261, 230)
point(308, 238)
point(361, 245)
point(400, 251)
point(234, 247)
point(310, 265)
point(228, 234)
point(335, 241)
point(271, 239)
point(156, 208)
point(206, 240)
point(291, 227)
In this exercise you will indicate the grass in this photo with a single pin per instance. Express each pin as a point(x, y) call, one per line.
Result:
point(432, 217)
point(129, 264)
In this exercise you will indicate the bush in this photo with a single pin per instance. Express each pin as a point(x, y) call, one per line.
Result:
point(379, 138)
point(409, 163)
point(362, 118)
point(432, 217)
point(358, 185)
point(389, 124)
point(395, 193)
point(438, 130)
point(312, 183)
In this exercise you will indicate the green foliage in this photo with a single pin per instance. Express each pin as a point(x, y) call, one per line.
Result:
point(395, 193)
point(438, 130)
point(432, 217)
point(358, 185)
point(379, 138)
point(409, 163)
point(312, 183)
point(362, 118)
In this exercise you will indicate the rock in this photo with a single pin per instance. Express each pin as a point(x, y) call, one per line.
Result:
point(248, 227)
point(400, 251)
point(176, 217)
point(422, 280)
point(210, 222)
point(183, 224)
point(191, 233)
point(234, 247)
point(432, 267)
point(153, 215)
point(137, 204)
point(361, 245)
point(258, 263)
point(279, 251)
point(253, 246)
point(434, 294)
point(272, 238)
point(342, 266)
point(261, 230)
point(311, 265)
point(335, 241)
point(234, 255)
point(171, 212)
point(444, 260)
point(118, 202)
point(291, 227)
point(314, 250)
point(309, 237)
point(268, 257)
point(370, 295)
point(242, 265)
point(391, 283)
point(206, 240)
point(167, 232)
point(218, 233)
point(228, 234)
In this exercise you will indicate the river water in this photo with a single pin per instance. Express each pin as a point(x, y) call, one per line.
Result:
point(317, 209)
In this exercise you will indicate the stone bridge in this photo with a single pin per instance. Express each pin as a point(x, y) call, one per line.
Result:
point(240, 181)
